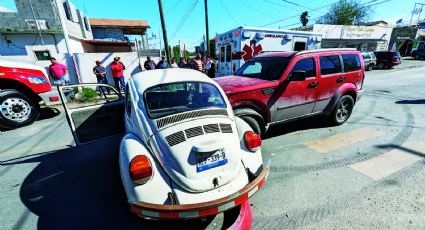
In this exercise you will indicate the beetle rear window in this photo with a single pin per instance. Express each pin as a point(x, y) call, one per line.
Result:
point(175, 98)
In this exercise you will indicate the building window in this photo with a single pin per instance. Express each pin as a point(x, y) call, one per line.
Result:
point(42, 55)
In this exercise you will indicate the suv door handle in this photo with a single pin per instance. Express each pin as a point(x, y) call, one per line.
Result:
point(341, 79)
point(313, 84)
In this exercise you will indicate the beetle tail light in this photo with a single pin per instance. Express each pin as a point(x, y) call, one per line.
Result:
point(140, 169)
point(252, 140)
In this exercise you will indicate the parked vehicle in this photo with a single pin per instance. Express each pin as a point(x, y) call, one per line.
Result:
point(418, 54)
point(369, 61)
point(237, 46)
point(184, 155)
point(22, 87)
point(279, 87)
point(387, 59)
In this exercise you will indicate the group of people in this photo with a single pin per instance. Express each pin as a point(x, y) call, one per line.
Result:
point(199, 63)
point(58, 72)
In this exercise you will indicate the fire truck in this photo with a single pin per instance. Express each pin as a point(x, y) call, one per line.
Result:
point(237, 46)
point(22, 87)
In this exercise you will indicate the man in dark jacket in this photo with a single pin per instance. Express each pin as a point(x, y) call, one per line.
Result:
point(149, 64)
point(162, 64)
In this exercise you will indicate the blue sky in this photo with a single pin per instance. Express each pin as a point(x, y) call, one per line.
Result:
point(226, 15)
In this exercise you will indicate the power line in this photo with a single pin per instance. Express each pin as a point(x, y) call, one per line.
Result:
point(184, 19)
point(229, 13)
point(256, 10)
point(300, 5)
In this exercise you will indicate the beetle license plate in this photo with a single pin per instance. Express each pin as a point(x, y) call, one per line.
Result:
point(206, 161)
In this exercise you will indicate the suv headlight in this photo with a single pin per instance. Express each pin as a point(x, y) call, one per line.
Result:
point(37, 80)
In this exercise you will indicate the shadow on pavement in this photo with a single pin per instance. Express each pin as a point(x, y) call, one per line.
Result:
point(403, 149)
point(299, 125)
point(412, 102)
point(80, 188)
point(47, 113)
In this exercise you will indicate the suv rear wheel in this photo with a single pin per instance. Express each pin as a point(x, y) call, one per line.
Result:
point(253, 123)
point(381, 65)
point(370, 67)
point(16, 110)
point(417, 56)
point(342, 110)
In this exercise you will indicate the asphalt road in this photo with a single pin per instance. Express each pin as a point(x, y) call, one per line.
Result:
point(365, 174)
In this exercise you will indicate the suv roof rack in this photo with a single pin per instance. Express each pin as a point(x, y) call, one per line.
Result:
point(324, 50)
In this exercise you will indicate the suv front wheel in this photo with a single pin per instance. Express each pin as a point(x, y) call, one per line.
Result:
point(342, 110)
point(253, 123)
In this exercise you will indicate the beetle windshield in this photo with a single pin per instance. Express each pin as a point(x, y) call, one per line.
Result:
point(266, 68)
point(174, 98)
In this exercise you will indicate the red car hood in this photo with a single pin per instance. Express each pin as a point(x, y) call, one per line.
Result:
point(236, 84)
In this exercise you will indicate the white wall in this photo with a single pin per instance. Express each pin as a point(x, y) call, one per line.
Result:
point(86, 62)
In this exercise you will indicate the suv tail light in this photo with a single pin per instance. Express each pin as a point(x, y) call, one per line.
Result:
point(252, 140)
point(140, 169)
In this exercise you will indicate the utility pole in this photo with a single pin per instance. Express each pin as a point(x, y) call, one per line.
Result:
point(164, 33)
point(208, 36)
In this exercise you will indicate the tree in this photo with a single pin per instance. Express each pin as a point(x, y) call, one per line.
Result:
point(304, 18)
point(346, 12)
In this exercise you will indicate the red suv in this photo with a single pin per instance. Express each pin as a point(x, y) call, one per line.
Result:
point(279, 87)
point(387, 59)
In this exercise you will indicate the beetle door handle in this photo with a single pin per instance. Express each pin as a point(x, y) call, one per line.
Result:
point(341, 79)
point(313, 84)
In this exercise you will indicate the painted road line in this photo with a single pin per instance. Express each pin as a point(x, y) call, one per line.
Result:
point(343, 139)
point(391, 162)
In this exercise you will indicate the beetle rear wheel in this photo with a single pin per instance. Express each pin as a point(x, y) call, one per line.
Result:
point(342, 110)
point(16, 110)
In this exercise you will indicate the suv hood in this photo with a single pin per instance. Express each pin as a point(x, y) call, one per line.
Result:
point(236, 84)
point(179, 147)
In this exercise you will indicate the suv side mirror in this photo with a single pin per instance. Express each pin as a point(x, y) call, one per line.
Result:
point(298, 75)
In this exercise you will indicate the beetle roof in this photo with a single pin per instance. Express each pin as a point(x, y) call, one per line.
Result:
point(147, 79)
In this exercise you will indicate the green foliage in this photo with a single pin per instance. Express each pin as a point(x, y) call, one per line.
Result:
point(88, 94)
point(346, 13)
point(304, 18)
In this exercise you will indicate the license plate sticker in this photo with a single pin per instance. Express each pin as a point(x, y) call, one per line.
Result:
point(206, 161)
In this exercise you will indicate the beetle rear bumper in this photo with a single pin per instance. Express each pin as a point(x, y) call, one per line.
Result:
point(191, 211)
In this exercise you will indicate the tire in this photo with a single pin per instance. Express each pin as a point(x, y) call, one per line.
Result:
point(381, 65)
point(417, 56)
point(17, 110)
point(342, 110)
point(370, 67)
point(252, 123)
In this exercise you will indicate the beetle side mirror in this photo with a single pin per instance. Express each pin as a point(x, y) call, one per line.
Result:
point(298, 75)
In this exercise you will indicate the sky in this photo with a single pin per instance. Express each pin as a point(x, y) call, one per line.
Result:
point(185, 19)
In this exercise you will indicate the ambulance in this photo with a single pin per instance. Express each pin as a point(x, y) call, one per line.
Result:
point(237, 46)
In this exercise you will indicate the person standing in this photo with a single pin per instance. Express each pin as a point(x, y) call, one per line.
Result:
point(58, 72)
point(119, 60)
point(173, 63)
point(118, 73)
point(149, 64)
point(208, 63)
point(198, 63)
point(100, 73)
point(162, 64)
point(182, 63)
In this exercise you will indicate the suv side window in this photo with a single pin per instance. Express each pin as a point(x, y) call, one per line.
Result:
point(306, 65)
point(351, 62)
point(366, 56)
point(330, 65)
point(372, 55)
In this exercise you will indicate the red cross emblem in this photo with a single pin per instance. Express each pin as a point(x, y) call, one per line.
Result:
point(251, 50)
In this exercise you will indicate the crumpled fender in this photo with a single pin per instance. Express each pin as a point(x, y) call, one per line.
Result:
point(252, 161)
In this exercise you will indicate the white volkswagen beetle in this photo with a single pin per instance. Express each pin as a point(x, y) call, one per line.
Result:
point(184, 154)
